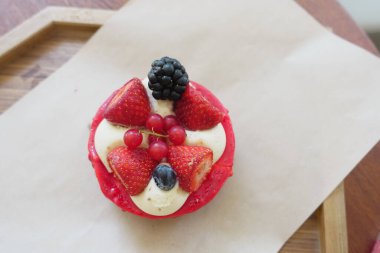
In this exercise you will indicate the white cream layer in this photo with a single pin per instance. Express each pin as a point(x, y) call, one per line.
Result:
point(157, 202)
point(109, 136)
point(162, 107)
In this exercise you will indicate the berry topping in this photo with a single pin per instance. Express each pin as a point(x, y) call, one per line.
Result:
point(167, 79)
point(133, 138)
point(152, 138)
point(129, 106)
point(191, 164)
point(164, 177)
point(155, 123)
point(177, 135)
point(195, 112)
point(158, 150)
point(132, 167)
point(169, 122)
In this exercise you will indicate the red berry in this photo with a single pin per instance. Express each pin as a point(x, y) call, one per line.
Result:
point(133, 168)
point(177, 135)
point(155, 123)
point(129, 106)
point(191, 164)
point(133, 138)
point(152, 138)
point(169, 122)
point(195, 112)
point(158, 150)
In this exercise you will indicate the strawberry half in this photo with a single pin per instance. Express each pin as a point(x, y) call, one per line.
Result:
point(191, 164)
point(130, 105)
point(195, 112)
point(132, 167)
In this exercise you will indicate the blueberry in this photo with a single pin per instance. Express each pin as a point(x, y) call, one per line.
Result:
point(165, 177)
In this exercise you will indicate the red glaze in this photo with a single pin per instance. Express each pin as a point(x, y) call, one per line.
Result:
point(221, 170)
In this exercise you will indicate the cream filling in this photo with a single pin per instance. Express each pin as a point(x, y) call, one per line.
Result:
point(157, 202)
point(109, 136)
point(162, 107)
point(213, 138)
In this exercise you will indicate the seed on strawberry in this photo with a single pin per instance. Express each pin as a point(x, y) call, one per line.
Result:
point(195, 112)
point(133, 167)
point(133, 138)
point(169, 122)
point(191, 164)
point(129, 106)
point(177, 135)
point(155, 123)
point(158, 150)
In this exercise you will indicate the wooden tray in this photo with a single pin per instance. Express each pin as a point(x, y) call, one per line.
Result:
point(39, 46)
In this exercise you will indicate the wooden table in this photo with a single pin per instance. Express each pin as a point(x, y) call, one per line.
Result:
point(362, 187)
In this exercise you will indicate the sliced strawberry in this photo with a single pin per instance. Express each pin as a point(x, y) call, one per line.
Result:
point(132, 167)
point(195, 112)
point(191, 163)
point(130, 105)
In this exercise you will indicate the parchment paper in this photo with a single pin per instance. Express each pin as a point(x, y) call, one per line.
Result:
point(304, 104)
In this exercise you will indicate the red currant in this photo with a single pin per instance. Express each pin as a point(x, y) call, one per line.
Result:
point(158, 150)
point(133, 138)
point(169, 122)
point(177, 135)
point(152, 138)
point(155, 123)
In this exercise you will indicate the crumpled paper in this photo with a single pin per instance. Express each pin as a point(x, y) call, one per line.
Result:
point(304, 105)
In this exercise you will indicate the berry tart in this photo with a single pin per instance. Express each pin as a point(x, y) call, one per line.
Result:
point(162, 146)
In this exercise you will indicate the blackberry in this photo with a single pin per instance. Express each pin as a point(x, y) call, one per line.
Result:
point(167, 79)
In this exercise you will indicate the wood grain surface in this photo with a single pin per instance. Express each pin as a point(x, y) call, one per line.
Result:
point(362, 186)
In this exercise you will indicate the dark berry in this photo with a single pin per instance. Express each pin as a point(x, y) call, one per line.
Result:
point(164, 177)
point(167, 79)
point(168, 69)
point(166, 93)
point(177, 74)
point(152, 77)
point(180, 89)
point(183, 81)
point(157, 94)
point(159, 63)
point(174, 96)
